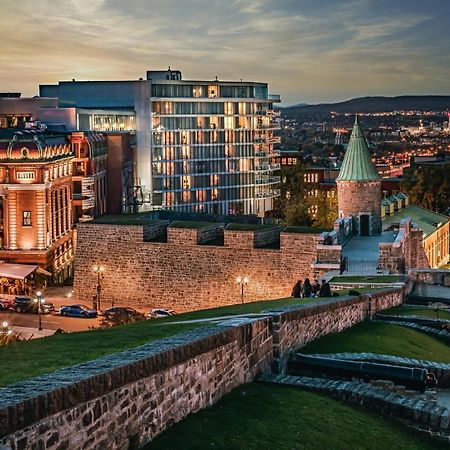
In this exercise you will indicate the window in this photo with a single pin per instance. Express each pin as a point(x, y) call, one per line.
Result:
point(26, 219)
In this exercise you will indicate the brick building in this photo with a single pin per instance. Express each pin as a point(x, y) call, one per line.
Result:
point(89, 175)
point(36, 200)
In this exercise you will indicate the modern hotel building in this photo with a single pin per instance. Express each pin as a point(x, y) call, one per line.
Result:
point(204, 146)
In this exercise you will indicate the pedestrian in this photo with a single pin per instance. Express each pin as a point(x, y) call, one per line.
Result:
point(307, 288)
point(297, 290)
point(325, 290)
point(316, 287)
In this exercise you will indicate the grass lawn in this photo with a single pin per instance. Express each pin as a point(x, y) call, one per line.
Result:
point(258, 416)
point(367, 279)
point(384, 339)
point(27, 359)
point(412, 311)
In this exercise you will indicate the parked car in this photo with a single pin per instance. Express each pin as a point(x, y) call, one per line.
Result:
point(6, 304)
point(121, 310)
point(77, 311)
point(31, 305)
point(160, 312)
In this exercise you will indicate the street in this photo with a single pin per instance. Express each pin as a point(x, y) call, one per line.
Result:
point(51, 321)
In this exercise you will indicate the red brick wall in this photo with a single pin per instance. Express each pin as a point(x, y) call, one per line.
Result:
point(182, 275)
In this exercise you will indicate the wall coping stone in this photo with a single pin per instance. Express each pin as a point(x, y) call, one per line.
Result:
point(29, 401)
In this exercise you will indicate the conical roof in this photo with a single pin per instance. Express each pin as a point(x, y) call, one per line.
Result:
point(357, 165)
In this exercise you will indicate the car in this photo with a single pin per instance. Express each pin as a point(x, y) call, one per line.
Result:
point(31, 305)
point(121, 310)
point(160, 312)
point(77, 311)
point(6, 304)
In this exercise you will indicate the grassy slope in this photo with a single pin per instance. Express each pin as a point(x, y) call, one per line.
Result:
point(285, 418)
point(412, 311)
point(26, 359)
point(384, 339)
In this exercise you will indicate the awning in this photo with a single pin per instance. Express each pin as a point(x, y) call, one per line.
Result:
point(18, 271)
point(43, 271)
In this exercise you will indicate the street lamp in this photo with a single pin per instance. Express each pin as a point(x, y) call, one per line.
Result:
point(242, 281)
point(39, 300)
point(99, 270)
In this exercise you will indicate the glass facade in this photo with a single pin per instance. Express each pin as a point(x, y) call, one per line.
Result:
point(212, 147)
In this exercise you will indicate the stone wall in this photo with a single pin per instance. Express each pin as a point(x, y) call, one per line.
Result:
point(406, 252)
point(360, 197)
point(182, 275)
point(434, 277)
point(124, 400)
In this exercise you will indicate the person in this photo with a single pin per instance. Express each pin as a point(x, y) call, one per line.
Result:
point(325, 290)
point(297, 290)
point(315, 287)
point(307, 288)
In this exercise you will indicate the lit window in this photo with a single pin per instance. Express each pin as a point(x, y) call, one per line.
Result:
point(26, 219)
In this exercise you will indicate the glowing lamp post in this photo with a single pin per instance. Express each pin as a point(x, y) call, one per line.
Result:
point(99, 270)
point(242, 281)
point(39, 300)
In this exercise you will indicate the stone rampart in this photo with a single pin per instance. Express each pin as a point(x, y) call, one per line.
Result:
point(183, 275)
point(125, 399)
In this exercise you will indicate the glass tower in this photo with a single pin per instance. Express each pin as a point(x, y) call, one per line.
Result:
point(212, 146)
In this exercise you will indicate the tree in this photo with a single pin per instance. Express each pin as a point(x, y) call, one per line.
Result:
point(429, 187)
point(327, 210)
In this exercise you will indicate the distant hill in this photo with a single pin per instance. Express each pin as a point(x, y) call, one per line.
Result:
point(375, 104)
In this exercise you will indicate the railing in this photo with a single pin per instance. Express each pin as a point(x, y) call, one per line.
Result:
point(274, 140)
point(275, 166)
point(268, 180)
point(87, 203)
point(261, 154)
point(263, 167)
point(362, 266)
point(274, 97)
point(268, 194)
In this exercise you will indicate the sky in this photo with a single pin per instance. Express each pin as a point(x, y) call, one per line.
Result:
point(308, 51)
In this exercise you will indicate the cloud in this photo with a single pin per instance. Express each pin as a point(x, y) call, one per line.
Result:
point(307, 50)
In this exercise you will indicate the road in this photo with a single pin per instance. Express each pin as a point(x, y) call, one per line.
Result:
point(49, 321)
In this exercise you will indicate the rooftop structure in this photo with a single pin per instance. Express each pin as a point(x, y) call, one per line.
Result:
point(357, 164)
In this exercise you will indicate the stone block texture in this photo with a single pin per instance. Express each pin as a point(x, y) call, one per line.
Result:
point(181, 274)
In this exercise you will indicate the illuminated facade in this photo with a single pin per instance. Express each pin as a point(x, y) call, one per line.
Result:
point(36, 200)
point(212, 147)
point(205, 146)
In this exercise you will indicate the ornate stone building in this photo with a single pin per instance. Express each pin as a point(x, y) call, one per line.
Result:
point(36, 200)
point(359, 186)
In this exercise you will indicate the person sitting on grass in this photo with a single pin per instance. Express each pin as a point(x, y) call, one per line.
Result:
point(297, 290)
point(325, 290)
point(307, 288)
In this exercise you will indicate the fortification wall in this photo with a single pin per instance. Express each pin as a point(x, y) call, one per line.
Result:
point(185, 273)
point(406, 252)
point(124, 400)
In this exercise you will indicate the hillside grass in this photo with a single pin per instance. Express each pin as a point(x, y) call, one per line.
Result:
point(413, 311)
point(27, 359)
point(258, 416)
point(382, 338)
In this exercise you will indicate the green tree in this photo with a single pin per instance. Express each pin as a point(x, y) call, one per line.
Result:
point(429, 187)
point(327, 210)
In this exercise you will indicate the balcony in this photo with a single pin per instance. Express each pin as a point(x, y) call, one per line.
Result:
point(268, 194)
point(262, 167)
point(274, 98)
point(261, 154)
point(268, 180)
point(87, 203)
point(274, 140)
point(275, 166)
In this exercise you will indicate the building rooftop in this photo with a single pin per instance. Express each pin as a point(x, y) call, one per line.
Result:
point(425, 219)
point(357, 164)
